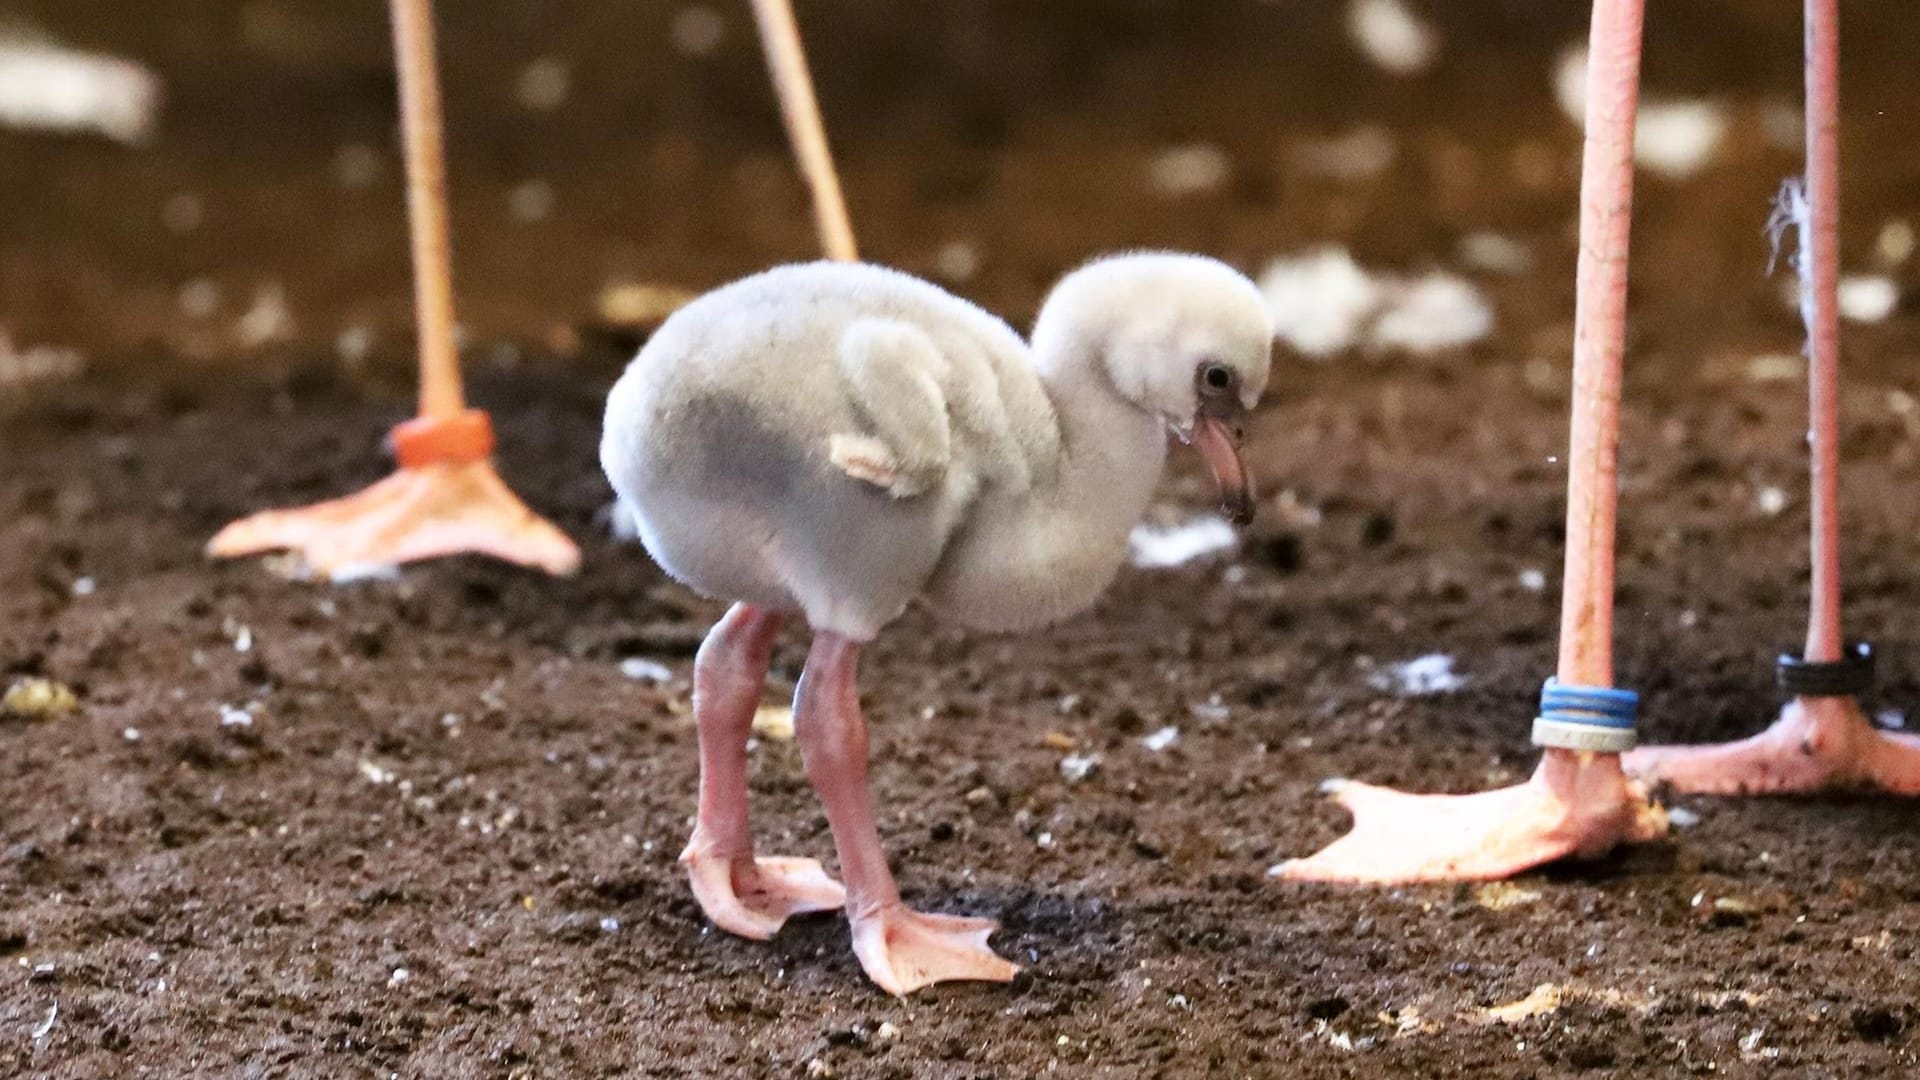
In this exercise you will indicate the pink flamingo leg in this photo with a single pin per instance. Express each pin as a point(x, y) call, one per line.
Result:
point(901, 949)
point(749, 896)
point(1818, 742)
point(1577, 803)
point(446, 498)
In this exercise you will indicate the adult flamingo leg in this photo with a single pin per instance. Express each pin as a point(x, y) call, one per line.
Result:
point(742, 894)
point(446, 498)
point(901, 949)
point(1578, 802)
point(1821, 741)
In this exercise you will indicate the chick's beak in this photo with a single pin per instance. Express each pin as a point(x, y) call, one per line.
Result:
point(1217, 434)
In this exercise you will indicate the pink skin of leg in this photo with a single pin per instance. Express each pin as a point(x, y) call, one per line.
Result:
point(1576, 804)
point(742, 894)
point(901, 949)
point(1818, 743)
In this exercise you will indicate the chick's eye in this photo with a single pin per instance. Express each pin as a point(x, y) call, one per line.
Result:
point(1216, 376)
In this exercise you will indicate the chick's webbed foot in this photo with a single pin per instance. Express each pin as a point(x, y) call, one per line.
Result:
point(903, 950)
point(754, 897)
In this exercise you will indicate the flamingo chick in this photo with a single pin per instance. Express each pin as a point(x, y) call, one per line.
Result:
point(839, 440)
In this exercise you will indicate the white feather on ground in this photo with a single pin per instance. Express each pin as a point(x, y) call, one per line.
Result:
point(1162, 546)
point(46, 87)
point(1430, 674)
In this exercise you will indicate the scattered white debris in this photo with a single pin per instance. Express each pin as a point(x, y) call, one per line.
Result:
point(84, 586)
point(1673, 137)
point(183, 214)
point(364, 571)
point(774, 722)
point(375, 774)
point(1434, 313)
point(47, 87)
point(886, 1032)
point(1360, 154)
point(231, 717)
point(37, 363)
point(1493, 253)
point(1210, 711)
point(1677, 138)
point(353, 344)
point(1770, 501)
point(1776, 367)
point(1323, 302)
point(1430, 674)
point(1077, 767)
point(131, 734)
point(1894, 244)
point(1570, 84)
point(609, 925)
point(1182, 171)
point(1156, 547)
point(268, 319)
point(41, 1030)
point(640, 304)
point(531, 201)
point(199, 298)
point(1502, 895)
point(697, 31)
point(1319, 300)
point(641, 669)
point(1867, 299)
point(1044, 840)
point(1682, 818)
point(357, 166)
point(543, 85)
point(398, 978)
point(1533, 580)
point(1392, 36)
point(1163, 739)
point(957, 261)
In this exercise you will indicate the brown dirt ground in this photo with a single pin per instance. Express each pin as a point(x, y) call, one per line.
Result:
point(219, 901)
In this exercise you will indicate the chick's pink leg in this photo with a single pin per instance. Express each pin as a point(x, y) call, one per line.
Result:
point(901, 949)
point(748, 896)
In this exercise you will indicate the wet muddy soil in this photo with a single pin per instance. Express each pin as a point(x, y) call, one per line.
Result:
point(441, 841)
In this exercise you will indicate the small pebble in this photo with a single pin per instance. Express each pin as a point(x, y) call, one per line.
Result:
point(641, 669)
point(38, 699)
point(1077, 768)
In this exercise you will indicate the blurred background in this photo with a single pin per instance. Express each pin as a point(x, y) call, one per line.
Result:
point(255, 203)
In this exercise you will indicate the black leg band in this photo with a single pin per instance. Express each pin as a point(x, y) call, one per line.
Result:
point(1849, 676)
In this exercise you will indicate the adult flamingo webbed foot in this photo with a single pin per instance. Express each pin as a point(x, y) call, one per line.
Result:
point(445, 499)
point(1818, 744)
point(1574, 806)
